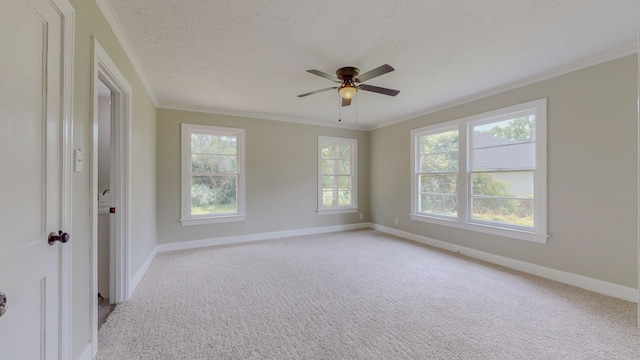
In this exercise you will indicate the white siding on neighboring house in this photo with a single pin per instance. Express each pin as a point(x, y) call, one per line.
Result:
point(520, 182)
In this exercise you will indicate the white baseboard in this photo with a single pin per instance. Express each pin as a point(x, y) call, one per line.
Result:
point(87, 353)
point(599, 286)
point(143, 270)
point(258, 237)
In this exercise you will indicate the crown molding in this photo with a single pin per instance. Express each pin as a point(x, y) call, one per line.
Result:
point(616, 53)
point(253, 115)
point(116, 27)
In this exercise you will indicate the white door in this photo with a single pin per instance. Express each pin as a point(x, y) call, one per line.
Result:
point(30, 184)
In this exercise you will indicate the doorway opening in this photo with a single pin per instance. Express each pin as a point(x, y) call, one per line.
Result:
point(110, 184)
point(106, 222)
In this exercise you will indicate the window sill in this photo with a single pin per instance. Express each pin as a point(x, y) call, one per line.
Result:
point(486, 229)
point(213, 220)
point(337, 211)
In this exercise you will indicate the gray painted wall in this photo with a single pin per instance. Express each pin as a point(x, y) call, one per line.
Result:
point(281, 176)
point(90, 22)
point(592, 174)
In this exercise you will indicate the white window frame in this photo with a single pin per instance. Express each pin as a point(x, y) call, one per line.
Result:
point(353, 143)
point(463, 219)
point(186, 218)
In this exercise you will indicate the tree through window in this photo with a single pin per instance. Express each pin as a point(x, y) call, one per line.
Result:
point(486, 172)
point(213, 181)
point(337, 159)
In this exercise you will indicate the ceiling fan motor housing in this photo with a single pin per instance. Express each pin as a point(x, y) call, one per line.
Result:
point(347, 73)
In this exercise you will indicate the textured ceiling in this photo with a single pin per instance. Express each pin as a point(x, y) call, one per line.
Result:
point(250, 56)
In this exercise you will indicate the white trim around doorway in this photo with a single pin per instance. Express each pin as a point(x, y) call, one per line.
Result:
point(105, 70)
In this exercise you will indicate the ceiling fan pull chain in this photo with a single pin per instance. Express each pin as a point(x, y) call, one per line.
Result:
point(339, 109)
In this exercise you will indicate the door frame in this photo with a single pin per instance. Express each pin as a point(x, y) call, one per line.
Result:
point(105, 70)
point(638, 162)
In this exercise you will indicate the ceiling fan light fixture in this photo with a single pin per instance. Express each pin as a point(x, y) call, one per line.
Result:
point(347, 90)
point(351, 81)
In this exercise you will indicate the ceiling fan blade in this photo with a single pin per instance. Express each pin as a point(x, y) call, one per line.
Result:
point(379, 90)
point(346, 102)
point(325, 75)
point(380, 70)
point(317, 91)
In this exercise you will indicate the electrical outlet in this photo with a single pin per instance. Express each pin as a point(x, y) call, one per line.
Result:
point(396, 222)
point(361, 216)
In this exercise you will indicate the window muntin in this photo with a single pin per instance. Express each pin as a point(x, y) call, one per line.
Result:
point(499, 186)
point(212, 175)
point(337, 166)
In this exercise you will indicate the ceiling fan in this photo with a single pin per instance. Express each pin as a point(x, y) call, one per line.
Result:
point(351, 81)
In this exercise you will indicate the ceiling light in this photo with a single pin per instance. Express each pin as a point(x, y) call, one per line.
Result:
point(348, 90)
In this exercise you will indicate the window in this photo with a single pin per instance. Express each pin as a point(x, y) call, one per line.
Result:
point(337, 180)
point(212, 174)
point(484, 173)
point(438, 172)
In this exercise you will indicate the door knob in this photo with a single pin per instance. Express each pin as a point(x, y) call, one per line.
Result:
point(63, 237)
point(3, 303)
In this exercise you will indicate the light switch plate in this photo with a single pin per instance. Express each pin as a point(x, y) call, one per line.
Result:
point(78, 163)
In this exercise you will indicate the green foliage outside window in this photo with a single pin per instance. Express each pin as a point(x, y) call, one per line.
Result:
point(518, 129)
point(214, 174)
point(499, 204)
point(439, 169)
point(336, 175)
point(439, 173)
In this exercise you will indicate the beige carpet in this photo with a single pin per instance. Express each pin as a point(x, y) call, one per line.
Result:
point(358, 295)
